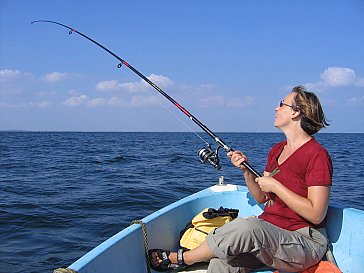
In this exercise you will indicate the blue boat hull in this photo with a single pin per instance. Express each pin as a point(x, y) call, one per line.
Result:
point(124, 252)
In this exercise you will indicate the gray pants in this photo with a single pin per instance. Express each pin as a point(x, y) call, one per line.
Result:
point(246, 244)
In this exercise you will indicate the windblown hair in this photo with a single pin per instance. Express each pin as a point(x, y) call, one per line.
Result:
point(308, 104)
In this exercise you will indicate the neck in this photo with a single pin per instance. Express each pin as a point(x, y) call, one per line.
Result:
point(296, 138)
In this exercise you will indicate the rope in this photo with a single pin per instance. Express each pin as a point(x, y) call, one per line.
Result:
point(145, 239)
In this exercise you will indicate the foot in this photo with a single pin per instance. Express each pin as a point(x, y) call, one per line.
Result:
point(163, 260)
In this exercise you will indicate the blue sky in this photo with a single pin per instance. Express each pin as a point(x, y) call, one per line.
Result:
point(228, 62)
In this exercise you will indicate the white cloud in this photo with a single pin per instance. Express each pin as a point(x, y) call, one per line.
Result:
point(73, 92)
point(40, 104)
point(204, 94)
point(337, 77)
point(217, 100)
point(112, 85)
point(117, 102)
point(108, 85)
point(58, 76)
point(134, 101)
point(13, 82)
point(96, 102)
point(160, 80)
point(137, 101)
point(76, 101)
point(240, 102)
point(6, 74)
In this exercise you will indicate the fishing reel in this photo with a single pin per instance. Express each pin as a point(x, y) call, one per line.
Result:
point(210, 156)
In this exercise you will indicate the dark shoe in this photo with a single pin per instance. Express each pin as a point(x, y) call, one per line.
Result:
point(166, 263)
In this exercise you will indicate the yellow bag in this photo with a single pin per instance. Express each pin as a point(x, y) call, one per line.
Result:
point(206, 221)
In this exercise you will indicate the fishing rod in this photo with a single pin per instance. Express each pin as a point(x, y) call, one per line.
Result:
point(205, 154)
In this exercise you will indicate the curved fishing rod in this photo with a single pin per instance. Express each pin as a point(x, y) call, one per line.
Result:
point(205, 154)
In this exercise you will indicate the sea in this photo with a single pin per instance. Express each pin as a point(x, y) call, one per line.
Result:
point(63, 193)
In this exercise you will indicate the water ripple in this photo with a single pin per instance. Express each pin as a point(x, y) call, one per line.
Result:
point(64, 193)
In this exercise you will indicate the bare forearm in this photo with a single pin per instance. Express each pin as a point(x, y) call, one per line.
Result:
point(313, 208)
point(237, 158)
point(254, 188)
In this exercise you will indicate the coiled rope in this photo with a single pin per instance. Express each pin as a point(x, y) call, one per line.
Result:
point(145, 240)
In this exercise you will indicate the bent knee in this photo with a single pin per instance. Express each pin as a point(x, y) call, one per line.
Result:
point(248, 224)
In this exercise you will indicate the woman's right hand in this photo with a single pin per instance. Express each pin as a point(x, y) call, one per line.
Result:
point(237, 158)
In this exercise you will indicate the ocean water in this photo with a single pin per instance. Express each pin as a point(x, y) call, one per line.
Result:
point(64, 193)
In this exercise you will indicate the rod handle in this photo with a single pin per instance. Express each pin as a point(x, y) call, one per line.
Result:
point(246, 164)
point(251, 169)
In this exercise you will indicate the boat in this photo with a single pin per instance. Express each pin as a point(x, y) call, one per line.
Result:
point(125, 251)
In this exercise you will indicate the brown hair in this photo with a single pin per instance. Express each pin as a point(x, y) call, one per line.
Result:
point(308, 104)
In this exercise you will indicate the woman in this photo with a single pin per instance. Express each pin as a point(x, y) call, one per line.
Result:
point(289, 235)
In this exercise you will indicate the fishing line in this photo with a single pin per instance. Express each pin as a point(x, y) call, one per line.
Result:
point(205, 154)
point(163, 104)
point(183, 122)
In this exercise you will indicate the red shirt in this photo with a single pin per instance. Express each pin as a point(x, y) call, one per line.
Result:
point(310, 165)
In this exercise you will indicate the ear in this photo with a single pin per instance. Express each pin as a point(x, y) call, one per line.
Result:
point(295, 114)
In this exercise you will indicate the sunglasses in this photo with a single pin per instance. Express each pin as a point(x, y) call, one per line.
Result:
point(282, 103)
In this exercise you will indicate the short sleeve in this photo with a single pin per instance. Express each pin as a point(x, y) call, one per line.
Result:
point(319, 170)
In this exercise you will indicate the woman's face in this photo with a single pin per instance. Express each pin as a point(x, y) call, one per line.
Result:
point(284, 111)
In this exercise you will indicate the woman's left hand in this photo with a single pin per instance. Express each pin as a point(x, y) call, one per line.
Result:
point(267, 183)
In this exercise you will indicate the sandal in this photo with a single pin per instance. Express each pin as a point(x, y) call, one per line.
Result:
point(166, 263)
